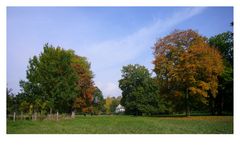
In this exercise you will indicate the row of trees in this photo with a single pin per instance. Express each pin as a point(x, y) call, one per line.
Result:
point(58, 80)
point(100, 105)
point(193, 73)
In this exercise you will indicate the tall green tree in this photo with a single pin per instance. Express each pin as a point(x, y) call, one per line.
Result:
point(187, 69)
point(139, 93)
point(53, 81)
point(224, 43)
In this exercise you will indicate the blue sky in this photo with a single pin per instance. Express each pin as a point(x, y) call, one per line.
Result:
point(110, 37)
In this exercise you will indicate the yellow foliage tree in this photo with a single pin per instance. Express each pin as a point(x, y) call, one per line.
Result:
point(108, 103)
point(185, 64)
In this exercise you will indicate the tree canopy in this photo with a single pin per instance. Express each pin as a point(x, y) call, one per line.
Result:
point(56, 79)
point(192, 72)
point(139, 92)
point(224, 43)
point(187, 68)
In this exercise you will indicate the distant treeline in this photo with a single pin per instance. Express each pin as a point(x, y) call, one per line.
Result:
point(192, 73)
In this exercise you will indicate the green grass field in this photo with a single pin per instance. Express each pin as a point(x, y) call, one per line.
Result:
point(125, 125)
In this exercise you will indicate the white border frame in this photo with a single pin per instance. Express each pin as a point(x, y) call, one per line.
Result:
point(119, 140)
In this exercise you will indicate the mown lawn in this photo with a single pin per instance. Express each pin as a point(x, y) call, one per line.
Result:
point(125, 125)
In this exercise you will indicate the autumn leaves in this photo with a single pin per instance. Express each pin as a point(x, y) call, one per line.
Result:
point(187, 71)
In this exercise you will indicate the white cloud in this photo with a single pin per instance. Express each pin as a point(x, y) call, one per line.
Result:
point(108, 57)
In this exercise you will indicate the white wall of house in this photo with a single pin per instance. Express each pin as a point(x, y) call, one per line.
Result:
point(119, 109)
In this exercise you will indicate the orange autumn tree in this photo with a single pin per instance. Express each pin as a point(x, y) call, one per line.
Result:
point(85, 84)
point(187, 69)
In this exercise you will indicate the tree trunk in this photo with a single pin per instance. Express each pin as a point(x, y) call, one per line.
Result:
point(219, 102)
point(187, 103)
point(35, 116)
point(221, 105)
point(14, 116)
point(57, 116)
point(51, 117)
point(21, 115)
point(211, 105)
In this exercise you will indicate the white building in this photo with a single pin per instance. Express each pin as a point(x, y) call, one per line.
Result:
point(119, 109)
